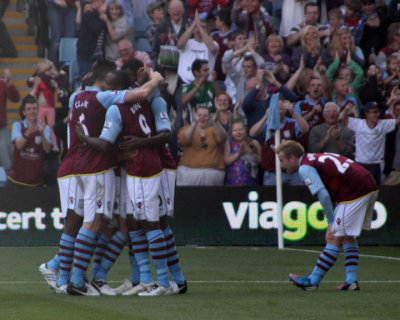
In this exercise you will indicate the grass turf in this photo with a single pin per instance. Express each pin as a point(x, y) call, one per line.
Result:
point(224, 283)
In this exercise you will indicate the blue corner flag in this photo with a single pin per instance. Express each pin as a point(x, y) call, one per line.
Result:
point(273, 120)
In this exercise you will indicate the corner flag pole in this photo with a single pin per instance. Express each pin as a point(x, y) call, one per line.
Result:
point(279, 191)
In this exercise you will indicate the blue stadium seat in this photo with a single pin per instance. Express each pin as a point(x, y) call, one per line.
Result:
point(140, 26)
point(68, 60)
point(142, 44)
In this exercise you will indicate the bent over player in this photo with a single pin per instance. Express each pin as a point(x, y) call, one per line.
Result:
point(334, 179)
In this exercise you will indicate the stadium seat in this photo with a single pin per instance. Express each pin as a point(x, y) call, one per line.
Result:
point(142, 44)
point(140, 26)
point(68, 60)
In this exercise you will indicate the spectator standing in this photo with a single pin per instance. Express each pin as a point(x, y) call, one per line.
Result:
point(155, 11)
point(222, 36)
point(331, 136)
point(61, 16)
point(7, 47)
point(335, 16)
point(204, 7)
point(391, 77)
point(256, 22)
point(201, 92)
point(242, 156)
point(8, 91)
point(343, 42)
point(117, 29)
point(292, 15)
point(311, 17)
point(31, 140)
point(241, 65)
point(174, 26)
point(276, 61)
point(392, 152)
point(91, 28)
point(290, 129)
point(373, 88)
point(232, 63)
point(310, 49)
point(370, 134)
point(351, 72)
point(202, 160)
point(393, 46)
point(374, 29)
point(201, 46)
point(223, 105)
point(311, 107)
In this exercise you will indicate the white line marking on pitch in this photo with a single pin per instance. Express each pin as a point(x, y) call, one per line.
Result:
point(218, 281)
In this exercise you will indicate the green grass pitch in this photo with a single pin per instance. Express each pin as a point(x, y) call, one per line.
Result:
point(224, 283)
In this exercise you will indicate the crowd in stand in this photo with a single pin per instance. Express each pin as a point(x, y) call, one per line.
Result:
point(331, 67)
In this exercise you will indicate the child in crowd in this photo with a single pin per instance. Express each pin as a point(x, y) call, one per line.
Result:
point(352, 18)
point(335, 17)
point(341, 94)
point(242, 156)
point(44, 83)
point(351, 72)
point(155, 11)
point(391, 75)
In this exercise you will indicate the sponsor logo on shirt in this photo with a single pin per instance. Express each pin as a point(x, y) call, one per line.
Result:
point(164, 116)
point(107, 124)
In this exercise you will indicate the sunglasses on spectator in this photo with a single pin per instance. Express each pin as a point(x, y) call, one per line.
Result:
point(203, 142)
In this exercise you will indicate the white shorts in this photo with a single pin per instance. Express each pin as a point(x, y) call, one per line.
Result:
point(351, 217)
point(167, 192)
point(186, 176)
point(120, 194)
point(98, 194)
point(71, 196)
point(144, 197)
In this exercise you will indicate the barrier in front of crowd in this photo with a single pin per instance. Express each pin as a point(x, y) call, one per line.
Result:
point(205, 216)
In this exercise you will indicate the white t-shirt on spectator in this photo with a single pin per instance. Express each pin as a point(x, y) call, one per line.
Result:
point(370, 143)
point(194, 50)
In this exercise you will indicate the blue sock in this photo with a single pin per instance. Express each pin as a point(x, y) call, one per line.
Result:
point(172, 257)
point(101, 246)
point(325, 261)
point(84, 247)
point(351, 261)
point(140, 247)
point(135, 273)
point(111, 254)
point(66, 253)
point(55, 262)
point(158, 254)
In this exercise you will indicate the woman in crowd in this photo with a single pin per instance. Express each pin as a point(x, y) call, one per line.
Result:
point(202, 162)
point(117, 29)
point(242, 156)
point(223, 104)
point(276, 61)
point(342, 42)
point(310, 49)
